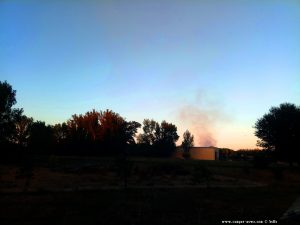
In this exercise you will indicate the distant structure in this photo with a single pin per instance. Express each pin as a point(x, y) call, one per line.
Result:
point(204, 153)
point(200, 153)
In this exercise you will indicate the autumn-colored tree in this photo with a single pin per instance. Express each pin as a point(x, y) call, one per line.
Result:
point(115, 131)
point(105, 129)
point(77, 131)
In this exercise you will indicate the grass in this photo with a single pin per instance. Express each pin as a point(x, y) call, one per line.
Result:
point(151, 206)
point(184, 204)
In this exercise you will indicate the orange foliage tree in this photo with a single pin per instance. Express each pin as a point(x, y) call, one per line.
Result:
point(104, 128)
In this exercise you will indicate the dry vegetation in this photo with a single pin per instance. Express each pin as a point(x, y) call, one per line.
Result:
point(74, 190)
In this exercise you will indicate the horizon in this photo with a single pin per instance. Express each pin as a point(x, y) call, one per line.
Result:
point(211, 67)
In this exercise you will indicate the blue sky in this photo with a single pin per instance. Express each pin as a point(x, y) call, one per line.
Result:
point(222, 63)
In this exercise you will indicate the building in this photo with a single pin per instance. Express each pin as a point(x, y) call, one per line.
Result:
point(200, 153)
point(204, 153)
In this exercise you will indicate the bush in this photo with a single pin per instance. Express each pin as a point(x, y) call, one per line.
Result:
point(262, 159)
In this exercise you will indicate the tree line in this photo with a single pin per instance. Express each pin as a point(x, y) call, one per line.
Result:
point(93, 133)
point(108, 133)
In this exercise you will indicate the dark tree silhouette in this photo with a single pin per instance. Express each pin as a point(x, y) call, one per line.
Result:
point(115, 132)
point(168, 133)
point(188, 141)
point(160, 138)
point(41, 138)
point(150, 133)
point(60, 132)
point(279, 131)
point(130, 130)
point(22, 130)
point(7, 114)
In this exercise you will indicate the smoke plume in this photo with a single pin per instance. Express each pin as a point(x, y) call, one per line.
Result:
point(201, 119)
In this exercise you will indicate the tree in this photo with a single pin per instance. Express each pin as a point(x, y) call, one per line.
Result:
point(7, 114)
point(8, 97)
point(151, 130)
point(22, 130)
point(41, 138)
point(188, 141)
point(168, 133)
point(160, 138)
point(115, 132)
point(60, 132)
point(130, 131)
point(104, 129)
point(279, 131)
point(84, 129)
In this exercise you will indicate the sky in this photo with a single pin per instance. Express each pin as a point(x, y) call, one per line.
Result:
point(212, 67)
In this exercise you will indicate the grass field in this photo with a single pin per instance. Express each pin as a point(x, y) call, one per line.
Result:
point(73, 190)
